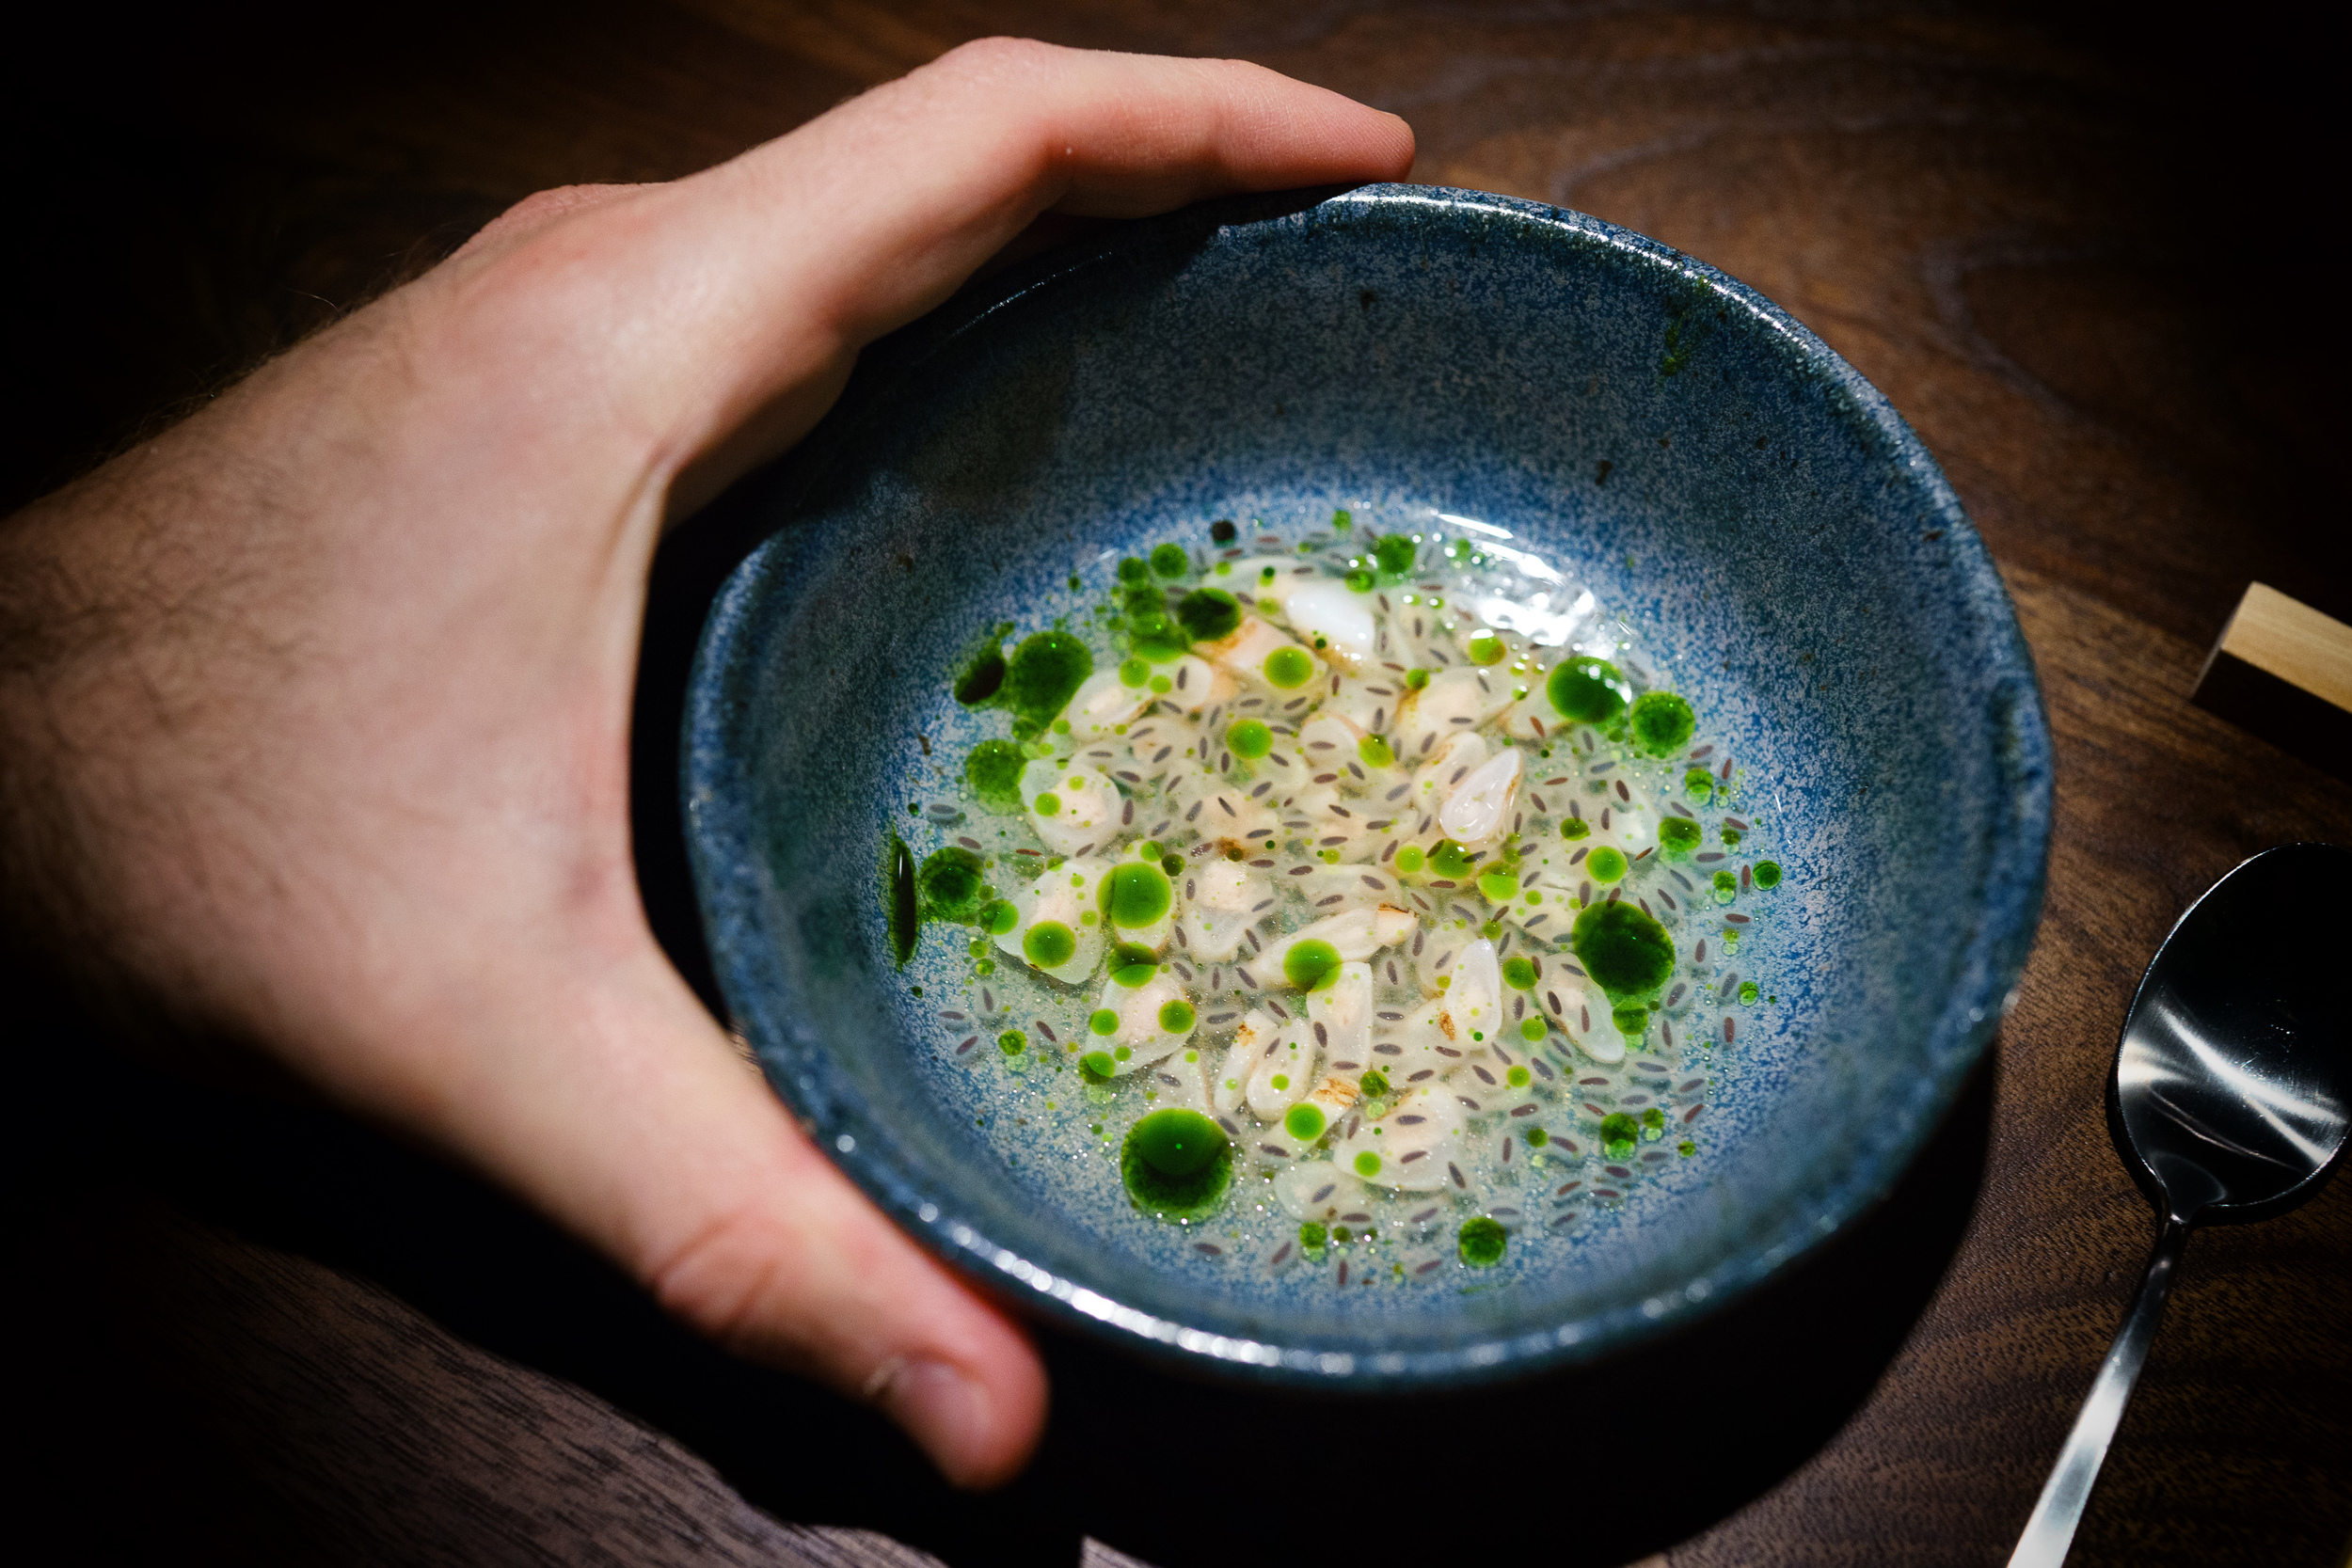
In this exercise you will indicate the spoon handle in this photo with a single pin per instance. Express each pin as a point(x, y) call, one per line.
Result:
point(2051, 1530)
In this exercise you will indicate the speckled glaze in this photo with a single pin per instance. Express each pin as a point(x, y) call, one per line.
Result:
point(1780, 541)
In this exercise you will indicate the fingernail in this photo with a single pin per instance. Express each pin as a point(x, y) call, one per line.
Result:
point(945, 1411)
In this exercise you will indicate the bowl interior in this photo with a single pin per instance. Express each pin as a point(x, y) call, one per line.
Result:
point(1786, 552)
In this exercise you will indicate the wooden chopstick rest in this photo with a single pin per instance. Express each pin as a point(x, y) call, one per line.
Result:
point(2283, 671)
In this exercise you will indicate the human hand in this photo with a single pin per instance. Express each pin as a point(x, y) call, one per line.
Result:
point(314, 711)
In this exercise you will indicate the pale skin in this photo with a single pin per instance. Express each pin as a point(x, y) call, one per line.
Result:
point(314, 710)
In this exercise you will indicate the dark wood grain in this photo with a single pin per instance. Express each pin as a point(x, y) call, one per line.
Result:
point(2018, 226)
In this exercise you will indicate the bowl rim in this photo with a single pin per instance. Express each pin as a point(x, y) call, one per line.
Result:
point(834, 1114)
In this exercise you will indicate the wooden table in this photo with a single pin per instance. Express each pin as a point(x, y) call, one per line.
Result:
point(263, 1333)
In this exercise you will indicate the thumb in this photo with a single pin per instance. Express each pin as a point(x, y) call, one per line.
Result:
point(631, 1118)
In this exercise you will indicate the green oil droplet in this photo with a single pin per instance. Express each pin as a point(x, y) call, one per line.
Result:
point(949, 885)
point(1618, 1134)
point(1208, 614)
point(1481, 1242)
point(1311, 965)
point(1136, 894)
point(1049, 944)
point(993, 773)
point(1661, 723)
point(1589, 691)
point(1045, 671)
point(1289, 668)
point(1628, 954)
point(1450, 859)
point(1176, 1164)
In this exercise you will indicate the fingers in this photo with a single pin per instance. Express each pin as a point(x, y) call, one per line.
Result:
point(737, 300)
point(627, 1116)
point(923, 180)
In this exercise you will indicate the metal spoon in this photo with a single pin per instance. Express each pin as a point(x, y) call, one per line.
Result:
point(2228, 1103)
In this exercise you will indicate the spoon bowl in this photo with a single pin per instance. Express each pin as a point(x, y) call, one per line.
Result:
point(2230, 1090)
point(2229, 1101)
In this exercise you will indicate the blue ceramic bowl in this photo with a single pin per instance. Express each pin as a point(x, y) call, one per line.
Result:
point(1736, 492)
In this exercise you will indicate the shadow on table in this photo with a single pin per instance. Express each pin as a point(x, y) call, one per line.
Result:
point(1176, 1472)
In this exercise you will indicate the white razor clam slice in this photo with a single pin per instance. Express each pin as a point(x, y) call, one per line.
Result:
point(1410, 1148)
point(1622, 818)
point(1268, 582)
point(1204, 802)
point(1326, 744)
point(1072, 805)
point(1475, 997)
point(1321, 1190)
point(1502, 1079)
point(1440, 951)
point(1194, 684)
point(1356, 933)
point(1302, 1126)
point(1448, 766)
point(1140, 1032)
point(1102, 704)
point(1478, 812)
point(1453, 700)
point(1224, 900)
point(1244, 651)
point(1182, 1080)
point(1331, 889)
point(1424, 1046)
point(1367, 704)
point(1154, 934)
point(1228, 1085)
point(1065, 897)
point(1156, 748)
point(1585, 1016)
point(1553, 913)
point(1532, 717)
point(1340, 1018)
point(1283, 1072)
point(1334, 824)
point(1326, 609)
